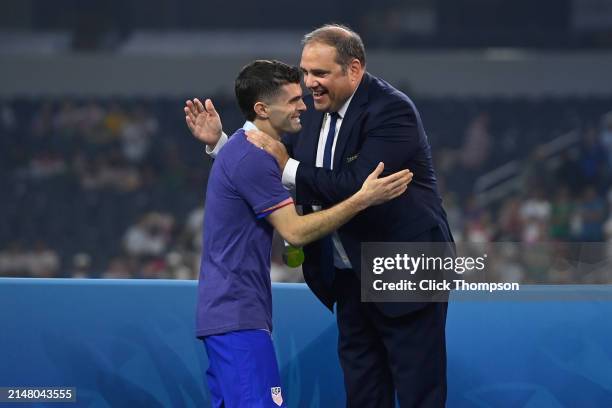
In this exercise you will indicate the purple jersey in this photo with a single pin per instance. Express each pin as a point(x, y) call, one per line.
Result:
point(234, 291)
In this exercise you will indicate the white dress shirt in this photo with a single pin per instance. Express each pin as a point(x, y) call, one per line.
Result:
point(289, 173)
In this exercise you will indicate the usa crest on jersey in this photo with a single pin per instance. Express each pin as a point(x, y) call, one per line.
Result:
point(277, 396)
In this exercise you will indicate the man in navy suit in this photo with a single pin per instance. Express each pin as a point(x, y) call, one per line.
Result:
point(385, 349)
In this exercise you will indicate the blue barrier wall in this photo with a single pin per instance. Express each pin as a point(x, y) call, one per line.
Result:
point(130, 344)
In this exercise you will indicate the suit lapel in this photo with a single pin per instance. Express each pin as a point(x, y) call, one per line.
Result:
point(355, 108)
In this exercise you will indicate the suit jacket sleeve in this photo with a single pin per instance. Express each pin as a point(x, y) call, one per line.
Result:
point(389, 132)
point(288, 142)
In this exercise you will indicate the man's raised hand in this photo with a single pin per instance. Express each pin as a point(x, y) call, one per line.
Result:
point(203, 121)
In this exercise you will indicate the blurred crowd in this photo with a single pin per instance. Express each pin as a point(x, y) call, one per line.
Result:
point(566, 196)
point(115, 188)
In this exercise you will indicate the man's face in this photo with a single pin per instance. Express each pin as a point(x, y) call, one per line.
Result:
point(285, 110)
point(324, 77)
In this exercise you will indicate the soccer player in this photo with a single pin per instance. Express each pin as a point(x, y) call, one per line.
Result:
point(245, 201)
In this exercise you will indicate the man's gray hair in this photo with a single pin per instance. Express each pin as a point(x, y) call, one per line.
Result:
point(348, 44)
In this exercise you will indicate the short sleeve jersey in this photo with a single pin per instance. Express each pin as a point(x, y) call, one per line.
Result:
point(234, 289)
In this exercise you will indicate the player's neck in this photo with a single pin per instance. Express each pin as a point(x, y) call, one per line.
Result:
point(264, 126)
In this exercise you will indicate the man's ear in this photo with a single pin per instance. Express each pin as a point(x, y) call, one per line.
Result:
point(261, 110)
point(355, 68)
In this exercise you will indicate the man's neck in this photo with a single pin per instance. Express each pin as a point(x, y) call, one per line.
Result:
point(342, 109)
point(265, 127)
point(358, 81)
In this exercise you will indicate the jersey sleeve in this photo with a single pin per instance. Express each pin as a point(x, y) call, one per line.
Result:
point(258, 179)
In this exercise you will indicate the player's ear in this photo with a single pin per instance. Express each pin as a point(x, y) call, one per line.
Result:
point(261, 110)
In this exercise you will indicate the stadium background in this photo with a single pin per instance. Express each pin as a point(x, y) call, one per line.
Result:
point(100, 177)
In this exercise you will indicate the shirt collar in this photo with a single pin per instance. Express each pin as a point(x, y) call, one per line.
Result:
point(248, 125)
point(342, 111)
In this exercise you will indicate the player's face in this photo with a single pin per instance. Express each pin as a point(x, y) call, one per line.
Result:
point(323, 76)
point(286, 109)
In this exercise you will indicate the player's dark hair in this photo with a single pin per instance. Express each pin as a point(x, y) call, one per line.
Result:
point(348, 44)
point(262, 80)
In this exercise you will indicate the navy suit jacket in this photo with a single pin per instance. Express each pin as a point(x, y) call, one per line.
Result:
point(381, 124)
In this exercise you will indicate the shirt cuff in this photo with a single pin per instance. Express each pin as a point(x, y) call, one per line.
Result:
point(214, 152)
point(289, 173)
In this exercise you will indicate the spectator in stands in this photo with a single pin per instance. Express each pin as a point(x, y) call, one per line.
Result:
point(150, 236)
point(154, 267)
point(192, 234)
point(136, 135)
point(481, 229)
point(178, 268)
point(510, 220)
point(107, 171)
point(81, 266)
point(592, 212)
point(593, 161)
point(115, 119)
point(39, 262)
point(561, 213)
point(42, 261)
point(119, 268)
point(13, 261)
point(189, 241)
point(475, 150)
point(535, 214)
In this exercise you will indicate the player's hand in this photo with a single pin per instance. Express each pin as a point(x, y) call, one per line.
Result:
point(275, 147)
point(203, 121)
point(377, 190)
